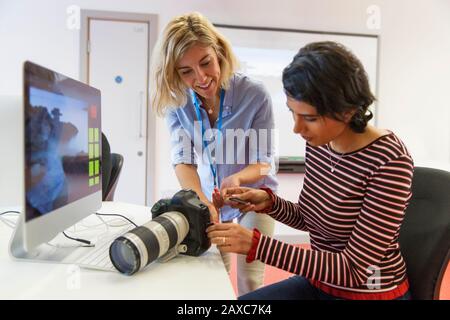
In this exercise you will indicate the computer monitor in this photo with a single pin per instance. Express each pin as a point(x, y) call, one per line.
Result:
point(62, 155)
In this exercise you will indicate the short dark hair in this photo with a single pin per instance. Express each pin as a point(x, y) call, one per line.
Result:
point(329, 77)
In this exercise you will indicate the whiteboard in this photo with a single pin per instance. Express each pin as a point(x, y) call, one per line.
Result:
point(263, 53)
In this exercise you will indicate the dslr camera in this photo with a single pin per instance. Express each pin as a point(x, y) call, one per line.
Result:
point(178, 225)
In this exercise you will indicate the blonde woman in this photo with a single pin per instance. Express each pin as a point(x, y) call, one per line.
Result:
point(208, 106)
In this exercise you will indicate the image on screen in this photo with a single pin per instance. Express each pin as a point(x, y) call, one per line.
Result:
point(62, 150)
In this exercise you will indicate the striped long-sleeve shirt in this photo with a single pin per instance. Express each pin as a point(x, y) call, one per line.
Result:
point(352, 205)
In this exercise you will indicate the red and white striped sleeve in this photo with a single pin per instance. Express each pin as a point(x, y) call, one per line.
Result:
point(287, 212)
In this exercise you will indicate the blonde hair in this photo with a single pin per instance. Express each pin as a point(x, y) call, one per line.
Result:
point(183, 32)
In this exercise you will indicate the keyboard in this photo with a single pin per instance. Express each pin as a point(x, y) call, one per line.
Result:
point(98, 257)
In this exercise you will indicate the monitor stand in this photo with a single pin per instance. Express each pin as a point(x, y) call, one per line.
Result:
point(42, 253)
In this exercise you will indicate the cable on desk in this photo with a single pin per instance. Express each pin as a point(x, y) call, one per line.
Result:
point(118, 215)
point(99, 214)
point(79, 240)
point(7, 222)
point(9, 211)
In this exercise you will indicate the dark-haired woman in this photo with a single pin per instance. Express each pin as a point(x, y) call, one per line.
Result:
point(356, 189)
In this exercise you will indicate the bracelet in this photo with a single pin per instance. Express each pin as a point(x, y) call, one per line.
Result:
point(251, 255)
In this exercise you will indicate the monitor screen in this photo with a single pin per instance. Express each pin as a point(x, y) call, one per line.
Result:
point(62, 141)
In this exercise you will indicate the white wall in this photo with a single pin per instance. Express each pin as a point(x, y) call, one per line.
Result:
point(414, 65)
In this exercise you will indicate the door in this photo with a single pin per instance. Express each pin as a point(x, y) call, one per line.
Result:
point(118, 65)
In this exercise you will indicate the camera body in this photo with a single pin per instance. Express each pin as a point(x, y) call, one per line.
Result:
point(197, 214)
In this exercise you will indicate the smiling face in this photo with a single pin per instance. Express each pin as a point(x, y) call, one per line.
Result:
point(317, 130)
point(199, 69)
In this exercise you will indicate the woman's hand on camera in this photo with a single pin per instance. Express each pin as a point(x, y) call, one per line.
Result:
point(256, 199)
point(231, 237)
point(213, 211)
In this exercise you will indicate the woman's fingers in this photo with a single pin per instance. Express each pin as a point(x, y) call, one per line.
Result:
point(220, 234)
point(217, 234)
point(226, 192)
point(221, 241)
point(237, 204)
point(230, 237)
point(242, 198)
point(214, 215)
point(217, 199)
point(220, 227)
point(245, 196)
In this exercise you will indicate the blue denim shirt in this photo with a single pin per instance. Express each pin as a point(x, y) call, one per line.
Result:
point(247, 107)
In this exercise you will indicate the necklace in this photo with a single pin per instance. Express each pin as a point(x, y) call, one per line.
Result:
point(333, 164)
point(210, 108)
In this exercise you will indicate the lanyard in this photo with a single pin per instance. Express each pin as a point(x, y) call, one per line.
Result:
point(219, 128)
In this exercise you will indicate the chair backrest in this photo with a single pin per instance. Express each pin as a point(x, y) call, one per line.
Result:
point(425, 232)
point(111, 167)
point(116, 168)
point(106, 165)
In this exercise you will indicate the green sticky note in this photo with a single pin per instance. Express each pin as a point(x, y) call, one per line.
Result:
point(97, 180)
point(96, 150)
point(91, 134)
point(91, 151)
point(91, 182)
point(97, 166)
point(96, 135)
point(91, 168)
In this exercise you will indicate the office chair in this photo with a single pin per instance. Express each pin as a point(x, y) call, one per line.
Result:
point(111, 167)
point(425, 232)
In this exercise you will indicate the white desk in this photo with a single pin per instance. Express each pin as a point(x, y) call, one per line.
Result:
point(184, 277)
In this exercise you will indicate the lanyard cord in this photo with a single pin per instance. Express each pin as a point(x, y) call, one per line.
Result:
point(219, 128)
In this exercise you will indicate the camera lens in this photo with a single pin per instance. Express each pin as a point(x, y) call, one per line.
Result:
point(126, 256)
point(142, 245)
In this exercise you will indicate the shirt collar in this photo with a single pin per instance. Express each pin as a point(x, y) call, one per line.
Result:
point(228, 99)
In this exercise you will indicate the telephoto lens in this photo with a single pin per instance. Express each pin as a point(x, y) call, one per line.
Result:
point(137, 248)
